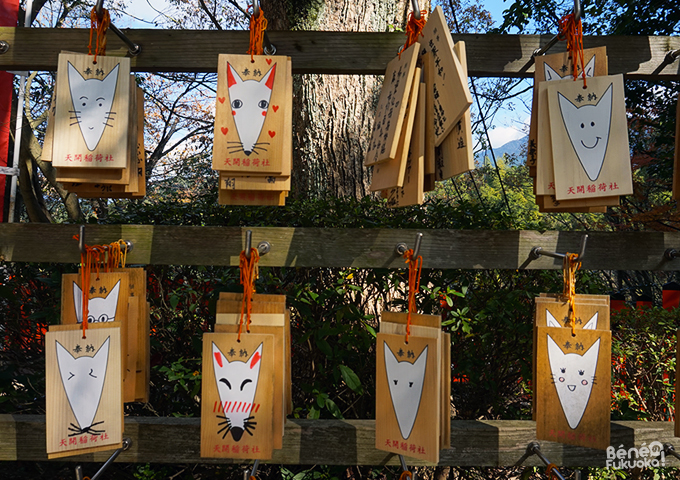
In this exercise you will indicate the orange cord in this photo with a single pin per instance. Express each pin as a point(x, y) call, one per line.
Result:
point(405, 474)
point(248, 276)
point(569, 267)
point(415, 266)
point(572, 32)
point(100, 26)
point(549, 471)
point(414, 29)
point(258, 24)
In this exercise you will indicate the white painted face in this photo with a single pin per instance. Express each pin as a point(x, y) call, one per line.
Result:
point(237, 385)
point(406, 387)
point(83, 380)
point(552, 321)
point(573, 375)
point(99, 309)
point(249, 101)
point(92, 101)
point(551, 74)
point(588, 130)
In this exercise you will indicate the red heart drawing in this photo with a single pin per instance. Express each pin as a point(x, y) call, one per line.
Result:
point(269, 61)
point(221, 99)
point(275, 107)
point(271, 134)
point(224, 130)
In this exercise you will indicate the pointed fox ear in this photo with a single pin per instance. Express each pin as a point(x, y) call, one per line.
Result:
point(255, 357)
point(550, 73)
point(72, 71)
point(232, 76)
point(269, 77)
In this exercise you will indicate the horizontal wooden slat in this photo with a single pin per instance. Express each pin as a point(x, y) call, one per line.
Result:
point(483, 443)
point(337, 247)
point(326, 52)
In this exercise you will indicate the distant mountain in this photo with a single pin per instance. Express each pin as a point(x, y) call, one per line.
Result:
point(514, 147)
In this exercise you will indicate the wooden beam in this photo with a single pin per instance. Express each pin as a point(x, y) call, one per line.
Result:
point(342, 247)
point(482, 443)
point(327, 52)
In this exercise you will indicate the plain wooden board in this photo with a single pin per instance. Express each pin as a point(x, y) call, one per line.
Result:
point(427, 61)
point(389, 115)
point(548, 203)
point(551, 423)
point(412, 192)
point(257, 307)
point(676, 164)
point(391, 173)
point(144, 369)
point(260, 442)
point(257, 297)
point(68, 139)
point(450, 88)
point(418, 319)
point(233, 148)
point(289, 366)
point(59, 413)
point(87, 175)
point(251, 197)
point(423, 441)
point(263, 319)
point(129, 353)
point(615, 177)
point(269, 182)
point(445, 435)
point(544, 183)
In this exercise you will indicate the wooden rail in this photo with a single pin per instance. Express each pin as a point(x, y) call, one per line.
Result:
point(481, 443)
point(328, 52)
point(339, 247)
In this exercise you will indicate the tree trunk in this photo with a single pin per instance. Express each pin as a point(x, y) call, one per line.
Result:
point(333, 114)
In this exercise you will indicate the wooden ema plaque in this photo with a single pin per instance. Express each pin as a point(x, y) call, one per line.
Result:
point(573, 382)
point(454, 155)
point(251, 113)
point(91, 122)
point(589, 133)
point(390, 114)
point(450, 88)
point(412, 192)
point(259, 182)
point(408, 396)
point(84, 404)
point(390, 174)
point(237, 396)
point(108, 297)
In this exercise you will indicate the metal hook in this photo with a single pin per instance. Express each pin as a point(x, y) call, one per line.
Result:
point(256, 7)
point(670, 254)
point(79, 470)
point(404, 468)
point(536, 252)
point(416, 9)
point(578, 11)
point(81, 239)
point(401, 247)
point(263, 247)
point(133, 48)
point(669, 449)
point(535, 449)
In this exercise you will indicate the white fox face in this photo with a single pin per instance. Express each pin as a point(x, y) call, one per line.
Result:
point(236, 385)
point(588, 130)
point(100, 309)
point(249, 100)
point(83, 380)
point(552, 321)
point(92, 100)
point(551, 74)
point(573, 376)
point(406, 387)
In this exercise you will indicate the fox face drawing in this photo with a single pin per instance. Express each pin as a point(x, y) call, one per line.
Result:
point(552, 321)
point(83, 380)
point(573, 376)
point(588, 129)
point(237, 385)
point(249, 101)
point(405, 380)
point(551, 74)
point(92, 101)
point(100, 309)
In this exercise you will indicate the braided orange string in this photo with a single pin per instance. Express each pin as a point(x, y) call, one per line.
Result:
point(572, 32)
point(405, 474)
point(549, 471)
point(569, 267)
point(258, 24)
point(414, 29)
point(248, 276)
point(100, 26)
point(415, 266)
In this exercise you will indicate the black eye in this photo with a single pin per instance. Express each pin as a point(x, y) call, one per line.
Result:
point(101, 104)
point(90, 318)
point(395, 381)
point(592, 124)
point(563, 370)
point(237, 103)
point(410, 384)
point(583, 126)
point(103, 318)
point(263, 104)
point(580, 372)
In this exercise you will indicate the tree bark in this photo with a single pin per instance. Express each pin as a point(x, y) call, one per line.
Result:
point(333, 114)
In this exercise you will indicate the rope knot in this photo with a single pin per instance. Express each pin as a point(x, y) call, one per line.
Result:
point(414, 29)
point(100, 26)
point(572, 31)
point(249, 273)
point(258, 24)
point(415, 266)
point(570, 265)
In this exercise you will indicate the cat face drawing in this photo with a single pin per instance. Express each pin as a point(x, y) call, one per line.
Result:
point(100, 309)
point(552, 321)
point(406, 387)
point(249, 101)
point(551, 74)
point(83, 380)
point(574, 377)
point(237, 385)
point(92, 101)
point(588, 129)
